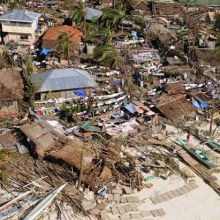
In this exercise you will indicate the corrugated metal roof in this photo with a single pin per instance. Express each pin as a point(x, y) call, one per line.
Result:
point(91, 13)
point(19, 15)
point(62, 79)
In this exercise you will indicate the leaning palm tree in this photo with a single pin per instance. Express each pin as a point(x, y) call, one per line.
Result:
point(100, 33)
point(108, 56)
point(78, 15)
point(111, 18)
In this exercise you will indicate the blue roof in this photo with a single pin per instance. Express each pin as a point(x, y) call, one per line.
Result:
point(62, 79)
point(19, 15)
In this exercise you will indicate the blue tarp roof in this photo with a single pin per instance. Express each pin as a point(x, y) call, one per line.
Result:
point(45, 51)
point(200, 104)
point(80, 93)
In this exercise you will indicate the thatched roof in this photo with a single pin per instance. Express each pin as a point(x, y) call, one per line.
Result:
point(174, 106)
point(11, 85)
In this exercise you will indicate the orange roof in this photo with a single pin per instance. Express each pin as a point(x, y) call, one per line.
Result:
point(54, 32)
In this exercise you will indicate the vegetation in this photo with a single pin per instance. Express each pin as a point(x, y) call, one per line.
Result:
point(217, 22)
point(108, 56)
point(217, 46)
point(111, 18)
point(29, 89)
point(79, 16)
point(64, 45)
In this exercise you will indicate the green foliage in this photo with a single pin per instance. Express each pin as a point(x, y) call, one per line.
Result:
point(64, 44)
point(4, 177)
point(98, 32)
point(66, 112)
point(108, 56)
point(217, 22)
point(16, 4)
point(29, 89)
point(152, 37)
point(217, 46)
point(79, 15)
point(111, 18)
point(138, 20)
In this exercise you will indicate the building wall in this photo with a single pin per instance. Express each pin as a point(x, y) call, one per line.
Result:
point(19, 27)
point(16, 30)
point(17, 38)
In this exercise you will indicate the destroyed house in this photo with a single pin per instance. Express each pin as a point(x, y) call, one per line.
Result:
point(11, 91)
point(174, 106)
point(60, 83)
point(144, 55)
point(168, 7)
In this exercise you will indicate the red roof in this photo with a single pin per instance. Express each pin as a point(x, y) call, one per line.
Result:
point(54, 32)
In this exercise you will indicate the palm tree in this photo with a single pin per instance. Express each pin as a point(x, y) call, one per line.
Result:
point(108, 56)
point(64, 45)
point(111, 18)
point(79, 16)
point(28, 70)
point(16, 4)
point(96, 32)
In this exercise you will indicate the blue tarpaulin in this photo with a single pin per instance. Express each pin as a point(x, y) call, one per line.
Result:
point(45, 51)
point(200, 104)
point(80, 93)
point(116, 82)
point(131, 108)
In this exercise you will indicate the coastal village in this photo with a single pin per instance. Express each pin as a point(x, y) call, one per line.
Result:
point(110, 109)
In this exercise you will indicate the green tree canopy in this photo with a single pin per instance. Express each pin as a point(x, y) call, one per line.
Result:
point(108, 56)
point(79, 16)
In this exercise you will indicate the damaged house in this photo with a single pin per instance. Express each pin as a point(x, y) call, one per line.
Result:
point(174, 106)
point(60, 83)
point(12, 90)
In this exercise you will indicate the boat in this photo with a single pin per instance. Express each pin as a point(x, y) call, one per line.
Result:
point(198, 154)
point(40, 207)
point(214, 145)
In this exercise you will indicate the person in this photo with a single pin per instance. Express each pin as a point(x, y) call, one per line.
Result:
point(188, 137)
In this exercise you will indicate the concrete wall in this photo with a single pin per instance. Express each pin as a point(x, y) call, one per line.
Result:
point(17, 38)
point(15, 30)
point(19, 28)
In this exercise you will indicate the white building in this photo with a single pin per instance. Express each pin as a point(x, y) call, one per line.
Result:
point(20, 26)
